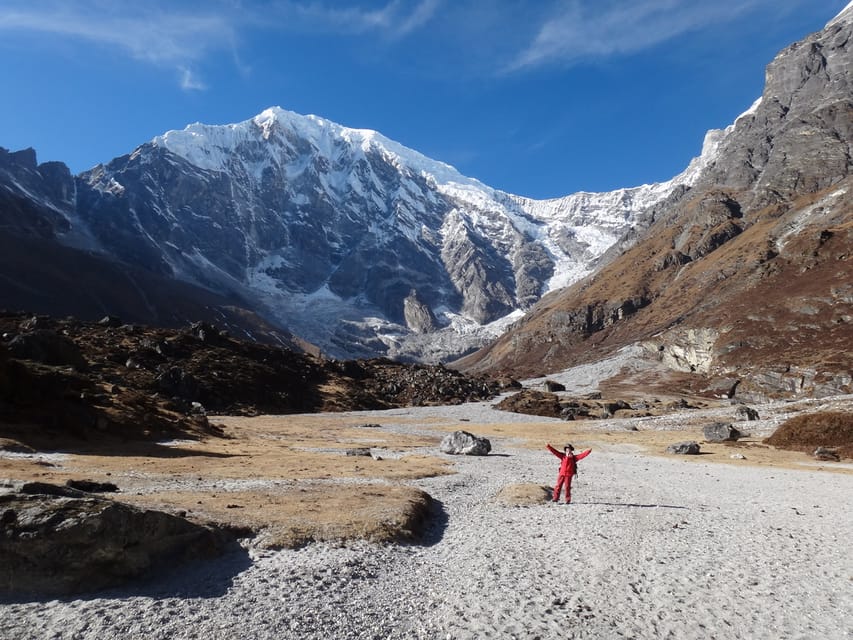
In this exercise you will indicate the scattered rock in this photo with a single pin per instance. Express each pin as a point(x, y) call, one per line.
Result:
point(90, 486)
point(359, 451)
point(746, 413)
point(616, 405)
point(690, 448)
point(110, 321)
point(464, 443)
point(15, 447)
point(737, 456)
point(509, 383)
point(720, 432)
point(827, 454)
point(47, 489)
point(553, 386)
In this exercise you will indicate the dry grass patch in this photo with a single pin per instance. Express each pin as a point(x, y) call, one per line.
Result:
point(525, 494)
point(832, 429)
point(293, 516)
point(276, 474)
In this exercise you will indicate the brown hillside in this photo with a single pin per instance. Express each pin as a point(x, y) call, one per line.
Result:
point(744, 279)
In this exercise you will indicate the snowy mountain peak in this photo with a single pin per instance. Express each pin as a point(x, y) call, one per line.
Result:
point(210, 147)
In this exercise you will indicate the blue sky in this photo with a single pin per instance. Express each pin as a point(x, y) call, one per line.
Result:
point(536, 97)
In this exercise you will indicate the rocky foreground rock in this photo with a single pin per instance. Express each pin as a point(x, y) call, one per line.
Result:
point(59, 541)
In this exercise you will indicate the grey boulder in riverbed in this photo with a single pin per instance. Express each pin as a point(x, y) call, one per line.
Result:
point(464, 443)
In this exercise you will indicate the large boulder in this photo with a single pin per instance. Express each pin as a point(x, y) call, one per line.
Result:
point(464, 443)
point(720, 432)
point(59, 545)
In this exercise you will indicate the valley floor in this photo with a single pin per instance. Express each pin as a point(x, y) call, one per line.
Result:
point(653, 547)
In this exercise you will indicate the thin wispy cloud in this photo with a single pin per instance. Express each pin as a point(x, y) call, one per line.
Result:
point(166, 35)
point(584, 29)
point(395, 19)
point(190, 82)
point(146, 33)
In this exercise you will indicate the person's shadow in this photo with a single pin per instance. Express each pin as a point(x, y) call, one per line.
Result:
point(633, 505)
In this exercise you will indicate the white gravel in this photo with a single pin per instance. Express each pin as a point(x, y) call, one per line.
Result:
point(651, 548)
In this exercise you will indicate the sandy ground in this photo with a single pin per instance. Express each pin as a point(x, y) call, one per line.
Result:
point(654, 546)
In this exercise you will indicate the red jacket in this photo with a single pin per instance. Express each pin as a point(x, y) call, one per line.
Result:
point(567, 466)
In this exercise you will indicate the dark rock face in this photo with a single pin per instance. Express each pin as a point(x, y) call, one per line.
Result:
point(47, 347)
point(53, 545)
point(720, 432)
point(44, 217)
point(799, 138)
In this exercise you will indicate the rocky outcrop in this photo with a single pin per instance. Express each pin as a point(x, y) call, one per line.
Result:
point(52, 545)
point(546, 404)
point(534, 403)
point(419, 317)
point(131, 382)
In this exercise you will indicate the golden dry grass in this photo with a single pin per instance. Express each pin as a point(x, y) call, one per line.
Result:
point(288, 478)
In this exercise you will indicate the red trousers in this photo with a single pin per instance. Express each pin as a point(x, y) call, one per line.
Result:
point(563, 480)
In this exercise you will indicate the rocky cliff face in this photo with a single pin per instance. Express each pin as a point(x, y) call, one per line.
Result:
point(743, 276)
point(52, 263)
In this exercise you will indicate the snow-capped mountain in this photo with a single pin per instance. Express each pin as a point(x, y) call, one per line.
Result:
point(353, 241)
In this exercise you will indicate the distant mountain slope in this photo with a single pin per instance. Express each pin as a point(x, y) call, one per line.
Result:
point(746, 277)
point(39, 274)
